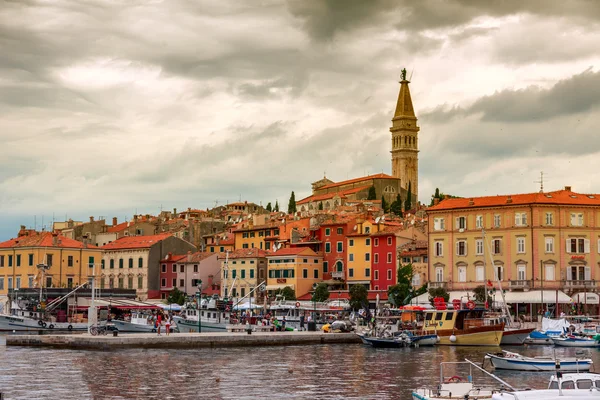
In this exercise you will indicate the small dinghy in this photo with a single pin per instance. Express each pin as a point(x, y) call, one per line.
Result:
point(518, 362)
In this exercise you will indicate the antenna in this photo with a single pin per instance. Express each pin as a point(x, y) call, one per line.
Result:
point(411, 74)
point(541, 181)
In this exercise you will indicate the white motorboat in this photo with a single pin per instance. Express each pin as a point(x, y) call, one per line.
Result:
point(518, 362)
point(211, 318)
point(139, 322)
point(294, 311)
point(37, 322)
point(575, 341)
point(572, 386)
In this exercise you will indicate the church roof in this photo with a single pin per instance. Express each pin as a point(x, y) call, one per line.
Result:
point(404, 106)
point(342, 194)
point(357, 180)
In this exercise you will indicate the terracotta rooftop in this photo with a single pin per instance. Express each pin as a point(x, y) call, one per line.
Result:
point(357, 180)
point(245, 253)
point(562, 197)
point(293, 251)
point(327, 196)
point(135, 242)
point(45, 239)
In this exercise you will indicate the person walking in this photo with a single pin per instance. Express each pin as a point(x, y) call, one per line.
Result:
point(168, 320)
point(158, 323)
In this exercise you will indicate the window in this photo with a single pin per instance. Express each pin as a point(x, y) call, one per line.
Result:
point(497, 220)
point(389, 258)
point(499, 271)
point(416, 280)
point(325, 267)
point(164, 268)
point(461, 223)
point(316, 273)
point(479, 273)
point(91, 261)
point(163, 282)
point(496, 246)
point(1, 283)
point(327, 231)
point(305, 273)
point(367, 229)
point(49, 260)
point(376, 258)
point(233, 273)
point(103, 264)
point(389, 274)
point(376, 242)
point(130, 263)
point(520, 219)
point(30, 281)
point(439, 224)
point(245, 246)
point(244, 235)
point(327, 247)
point(1, 261)
point(520, 245)
point(48, 281)
point(367, 242)
point(462, 274)
point(243, 292)
point(182, 268)
point(196, 268)
point(461, 248)
point(479, 221)
point(140, 282)
point(521, 272)
point(340, 231)
point(548, 272)
point(112, 263)
point(439, 274)
point(367, 256)
point(350, 272)
point(367, 272)
point(576, 219)
point(251, 234)
point(10, 260)
point(243, 274)
point(439, 249)
point(120, 263)
point(549, 218)
point(340, 247)
point(376, 277)
point(350, 242)
point(130, 282)
point(174, 269)
point(389, 241)
point(350, 257)
point(549, 244)
point(181, 282)
point(10, 283)
point(19, 260)
point(578, 246)
point(479, 247)
point(30, 260)
point(251, 273)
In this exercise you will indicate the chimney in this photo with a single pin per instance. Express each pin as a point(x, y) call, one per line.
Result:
point(85, 240)
point(509, 199)
point(189, 256)
point(54, 238)
point(91, 219)
point(174, 213)
point(568, 188)
point(436, 201)
point(135, 217)
point(114, 221)
point(446, 196)
point(471, 202)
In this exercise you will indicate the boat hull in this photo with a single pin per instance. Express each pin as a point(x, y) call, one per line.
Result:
point(569, 342)
point(538, 365)
point(427, 340)
point(515, 337)
point(189, 326)
point(123, 326)
point(23, 324)
point(485, 338)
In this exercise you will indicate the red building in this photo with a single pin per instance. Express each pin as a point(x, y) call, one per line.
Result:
point(383, 259)
point(168, 273)
point(333, 237)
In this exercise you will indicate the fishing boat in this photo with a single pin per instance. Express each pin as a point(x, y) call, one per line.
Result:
point(138, 322)
point(463, 327)
point(212, 318)
point(518, 362)
point(296, 311)
point(400, 339)
point(575, 341)
point(570, 386)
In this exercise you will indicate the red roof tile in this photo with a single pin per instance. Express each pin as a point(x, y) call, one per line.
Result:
point(293, 251)
point(135, 242)
point(356, 180)
point(245, 253)
point(45, 239)
point(327, 196)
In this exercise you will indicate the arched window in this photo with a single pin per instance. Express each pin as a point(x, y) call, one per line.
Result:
point(339, 266)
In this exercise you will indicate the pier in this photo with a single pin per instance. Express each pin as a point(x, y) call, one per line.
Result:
point(180, 340)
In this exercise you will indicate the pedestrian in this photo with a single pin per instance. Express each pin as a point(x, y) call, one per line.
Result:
point(283, 324)
point(168, 320)
point(302, 328)
point(158, 323)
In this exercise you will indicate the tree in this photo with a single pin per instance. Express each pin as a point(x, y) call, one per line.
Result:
point(479, 292)
point(384, 205)
point(269, 207)
point(408, 201)
point(287, 292)
point(321, 206)
point(358, 296)
point(439, 292)
point(321, 293)
point(292, 204)
point(176, 296)
point(440, 196)
point(396, 206)
point(372, 194)
point(276, 209)
point(401, 293)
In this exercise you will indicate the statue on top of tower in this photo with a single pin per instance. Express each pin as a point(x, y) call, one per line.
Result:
point(403, 74)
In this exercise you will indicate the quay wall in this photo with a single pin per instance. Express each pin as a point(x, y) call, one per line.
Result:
point(180, 340)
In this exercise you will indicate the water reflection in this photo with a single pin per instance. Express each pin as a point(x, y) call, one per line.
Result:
point(294, 372)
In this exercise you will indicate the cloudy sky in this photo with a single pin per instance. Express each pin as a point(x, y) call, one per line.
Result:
point(113, 106)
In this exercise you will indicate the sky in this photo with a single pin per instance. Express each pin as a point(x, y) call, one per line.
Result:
point(115, 107)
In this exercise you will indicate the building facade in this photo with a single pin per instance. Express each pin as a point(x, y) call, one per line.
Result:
point(384, 264)
point(359, 253)
point(298, 268)
point(241, 271)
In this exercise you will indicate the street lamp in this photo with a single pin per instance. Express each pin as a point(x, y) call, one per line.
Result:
point(199, 306)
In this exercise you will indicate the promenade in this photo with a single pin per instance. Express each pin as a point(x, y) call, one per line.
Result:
point(180, 340)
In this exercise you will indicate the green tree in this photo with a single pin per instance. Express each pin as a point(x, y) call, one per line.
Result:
point(321, 206)
point(396, 206)
point(321, 292)
point(372, 194)
point(292, 204)
point(384, 205)
point(439, 292)
point(408, 201)
point(401, 293)
point(269, 207)
point(479, 292)
point(358, 296)
point(276, 209)
point(287, 292)
point(176, 296)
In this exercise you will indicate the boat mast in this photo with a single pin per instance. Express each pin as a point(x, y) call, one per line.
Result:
point(226, 270)
point(504, 305)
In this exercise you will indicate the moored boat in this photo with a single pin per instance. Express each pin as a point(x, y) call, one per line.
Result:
point(575, 341)
point(570, 386)
point(518, 362)
point(463, 327)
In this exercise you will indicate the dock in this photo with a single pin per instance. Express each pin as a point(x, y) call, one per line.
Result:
point(180, 340)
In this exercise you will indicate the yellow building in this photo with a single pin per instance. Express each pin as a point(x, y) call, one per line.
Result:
point(70, 262)
point(241, 271)
point(298, 268)
point(253, 236)
point(359, 253)
point(536, 241)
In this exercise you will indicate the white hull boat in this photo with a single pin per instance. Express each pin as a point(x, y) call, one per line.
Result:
point(570, 386)
point(575, 342)
point(517, 362)
point(24, 324)
point(189, 325)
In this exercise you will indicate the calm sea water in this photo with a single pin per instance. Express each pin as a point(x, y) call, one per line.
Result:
point(294, 372)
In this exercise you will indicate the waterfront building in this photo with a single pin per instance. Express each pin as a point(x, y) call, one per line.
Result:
point(416, 254)
point(333, 236)
point(360, 253)
point(384, 264)
point(133, 262)
point(545, 240)
point(70, 262)
point(241, 271)
point(184, 272)
point(296, 267)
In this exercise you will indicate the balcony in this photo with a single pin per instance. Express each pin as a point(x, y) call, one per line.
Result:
point(338, 275)
point(585, 284)
point(520, 285)
point(438, 285)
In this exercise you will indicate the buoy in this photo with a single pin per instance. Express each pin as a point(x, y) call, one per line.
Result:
point(290, 370)
point(452, 338)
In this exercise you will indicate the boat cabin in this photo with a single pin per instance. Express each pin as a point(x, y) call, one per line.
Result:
point(582, 380)
point(441, 320)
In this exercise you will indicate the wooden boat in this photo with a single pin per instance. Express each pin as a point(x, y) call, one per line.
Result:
point(463, 327)
point(575, 341)
point(517, 362)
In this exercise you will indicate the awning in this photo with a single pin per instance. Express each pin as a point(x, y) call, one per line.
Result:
point(122, 304)
point(281, 286)
point(534, 297)
point(458, 295)
point(586, 298)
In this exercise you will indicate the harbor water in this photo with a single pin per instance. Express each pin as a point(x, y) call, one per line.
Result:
point(292, 372)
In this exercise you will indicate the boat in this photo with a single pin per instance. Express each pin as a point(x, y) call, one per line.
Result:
point(455, 386)
point(575, 341)
point(513, 334)
point(518, 362)
point(138, 322)
point(570, 386)
point(463, 327)
point(400, 339)
point(538, 337)
point(295, 311)
point(212, 318)
point(550, 328)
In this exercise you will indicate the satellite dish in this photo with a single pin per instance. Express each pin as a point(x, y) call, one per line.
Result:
point(382, 217)
point(355, 227)
point(377, 220)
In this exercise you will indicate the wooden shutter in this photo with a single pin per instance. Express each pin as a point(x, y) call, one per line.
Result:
point(588, 273)
point(465, 247)
point(586, 246)
point(457, 248)
point(568, 245)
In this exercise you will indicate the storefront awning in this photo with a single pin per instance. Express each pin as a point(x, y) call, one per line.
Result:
point(458, 295)
point(535, 297)
point(586, 298)
point(281, 286)
point(122, 304)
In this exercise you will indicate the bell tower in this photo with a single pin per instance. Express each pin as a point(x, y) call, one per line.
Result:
point(405, 144)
